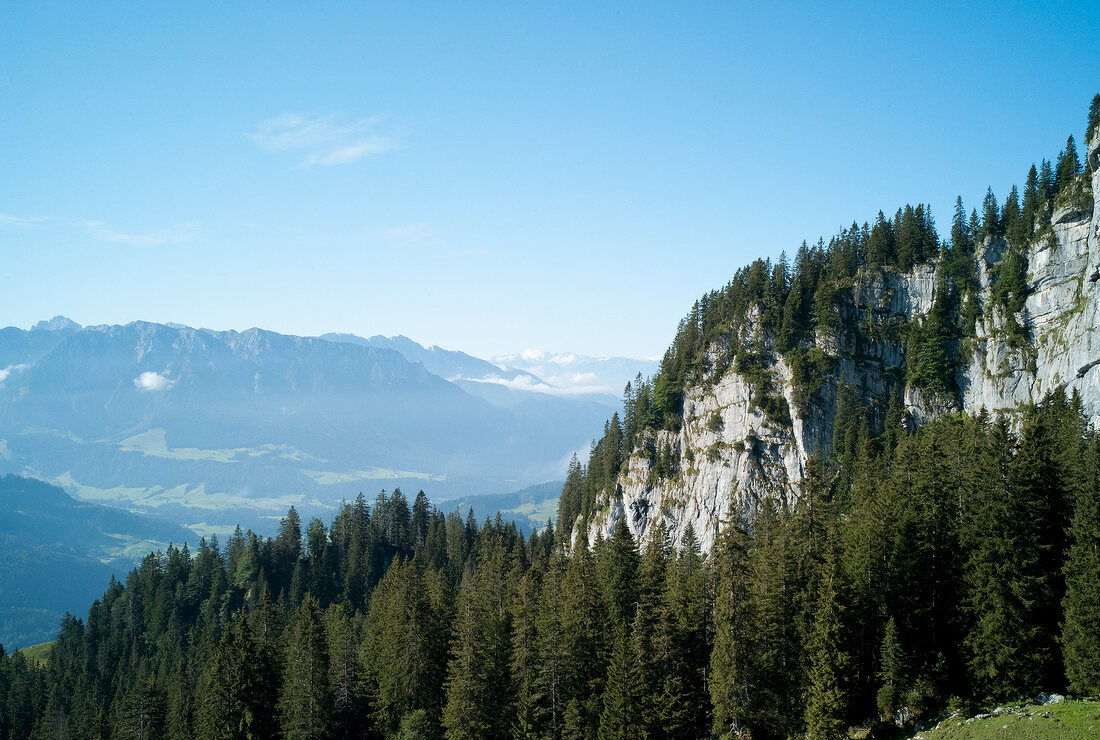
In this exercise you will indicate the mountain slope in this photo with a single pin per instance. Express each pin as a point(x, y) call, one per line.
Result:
point(59, 554)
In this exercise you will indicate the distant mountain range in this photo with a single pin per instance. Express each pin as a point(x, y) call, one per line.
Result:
point(211, 428)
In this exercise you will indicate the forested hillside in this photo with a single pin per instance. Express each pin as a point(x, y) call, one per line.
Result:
point(887, 315)
point(58, 553)
point(959, 562)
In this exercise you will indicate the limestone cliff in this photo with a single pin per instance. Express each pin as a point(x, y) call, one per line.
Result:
point(727, 448)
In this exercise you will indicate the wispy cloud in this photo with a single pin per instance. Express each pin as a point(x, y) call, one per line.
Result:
point(8, 221)
point(172, 235)
point(328, 140)
point(6, 372)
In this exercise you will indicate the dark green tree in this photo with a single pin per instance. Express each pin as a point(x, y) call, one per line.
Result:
point(1081, 629)
point(232, 701)
point(306, 697)
point(621, 717)
point(826, 701)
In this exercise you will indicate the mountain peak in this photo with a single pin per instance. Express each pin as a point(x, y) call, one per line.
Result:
point(57, 323)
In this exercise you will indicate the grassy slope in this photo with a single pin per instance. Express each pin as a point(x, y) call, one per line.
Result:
point(39, 653)
point(1070, 719)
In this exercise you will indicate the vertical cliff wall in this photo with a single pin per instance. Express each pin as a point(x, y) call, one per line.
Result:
point(728, 452)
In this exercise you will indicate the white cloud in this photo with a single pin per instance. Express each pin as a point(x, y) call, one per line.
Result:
point(527, 383)
point(150, 381)
point(6, 372)
point(322, 141)
point(172, 235)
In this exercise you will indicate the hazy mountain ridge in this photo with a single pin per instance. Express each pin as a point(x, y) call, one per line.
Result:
point(220, 426)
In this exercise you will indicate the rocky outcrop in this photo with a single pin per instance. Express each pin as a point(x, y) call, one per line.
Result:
point(729, 455)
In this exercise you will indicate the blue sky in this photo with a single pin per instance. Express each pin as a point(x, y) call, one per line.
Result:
point(493, 176)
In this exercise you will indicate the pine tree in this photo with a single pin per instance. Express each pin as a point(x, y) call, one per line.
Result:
point(621, 716)
point(1069, 165)
point(892, 676)
point(1081, 629)
point(231, 700)
point(464, 715)
point(617, 565)
point(1006, 648)
point(343, 650)
point(305, 699)
point(478, 686)
point(1012, 222)
point(826, 700)
point(1032, 203)
point(732, 685)
point(991, 218)
point(526, 661)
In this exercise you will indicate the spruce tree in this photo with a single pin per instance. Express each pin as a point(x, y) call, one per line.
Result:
point(1031, 203)
point(404, 653)
point(1007, 650)
point(306, 696)
point(464, 715)
point(585, 649)
point(826, 701)
point(1069, 165)
point(1080, 636)
point(892, 675)
point(617, 565)
point(651, 581)
point(555, 678)
point(621, 716)
point(343, 650)
point(231, 701)
point(991, 215)
point(1011, 219)
point(732, 685)
point(684, 631)
point(478, 685)
point(526, 660)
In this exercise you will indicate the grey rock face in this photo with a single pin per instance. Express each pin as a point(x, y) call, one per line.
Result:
point(731, 456)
